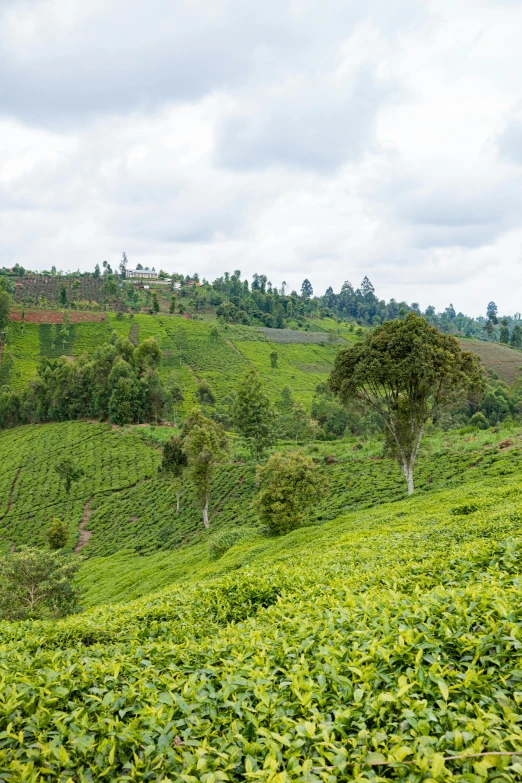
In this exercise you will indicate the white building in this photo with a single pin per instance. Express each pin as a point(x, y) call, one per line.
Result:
point(143, 274)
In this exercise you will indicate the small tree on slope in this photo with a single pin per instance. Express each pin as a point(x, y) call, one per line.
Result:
point(37, 583)
point(174, 462)
point(253, 414)
point(407, 371)
point(289, 484)
point(205, 445)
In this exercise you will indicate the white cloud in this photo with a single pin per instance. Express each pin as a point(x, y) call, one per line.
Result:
point(291, 137)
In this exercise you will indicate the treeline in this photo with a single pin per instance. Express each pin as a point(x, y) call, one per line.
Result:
point(118, 383)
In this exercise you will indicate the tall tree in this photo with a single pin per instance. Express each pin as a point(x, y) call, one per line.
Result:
point(516, 336)
point(253, 414)
point(491, 313)
point(174, 463)
point(205, 445)
point(63, 296)
point(123, 266)
point(504, 331)
point(96, 272)
point(306, 289)
point(5, 304)
point(407, 371)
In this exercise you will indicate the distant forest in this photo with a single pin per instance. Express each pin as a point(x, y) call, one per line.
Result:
point(236, 300)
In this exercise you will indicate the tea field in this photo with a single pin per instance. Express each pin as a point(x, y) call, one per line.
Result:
point(132, 507)
point(382, 645)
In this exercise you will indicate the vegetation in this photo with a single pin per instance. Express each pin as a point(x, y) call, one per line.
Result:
point(408, 372)
point(36, 584)
point(289, 484)
point(320, 625)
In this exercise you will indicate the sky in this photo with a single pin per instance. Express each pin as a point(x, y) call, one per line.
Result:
point(319, 139)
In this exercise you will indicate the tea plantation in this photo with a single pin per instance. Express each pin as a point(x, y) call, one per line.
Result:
point(382, 645)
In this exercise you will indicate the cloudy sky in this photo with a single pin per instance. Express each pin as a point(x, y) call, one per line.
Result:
point(326, 139)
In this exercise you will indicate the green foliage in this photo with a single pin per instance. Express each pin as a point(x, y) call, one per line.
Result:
point(68, 471)
point(5, 305)
point(204, 393)
point(37, 583)
point(205, 445)
point(57, 534)
point(253, 414)
point(289, 484)
point(406, 371)
point(221, 542)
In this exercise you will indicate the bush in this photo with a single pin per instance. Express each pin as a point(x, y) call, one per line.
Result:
point(223, 541)
point(57, 534)
point(464, 510)
point(479, 420)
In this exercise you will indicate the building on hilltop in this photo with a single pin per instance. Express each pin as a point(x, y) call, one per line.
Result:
point(142, 274)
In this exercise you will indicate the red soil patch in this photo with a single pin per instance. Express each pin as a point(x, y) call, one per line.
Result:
point(55, 316)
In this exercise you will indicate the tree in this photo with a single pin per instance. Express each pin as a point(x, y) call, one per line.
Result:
point(155, 303)
point(123, 266)
point(96, 272)
point(289, 484)
point(147, 354)
point(407, 371)
point(491, 313)
point(57, 534)
point(274, 358)
point(5, 304)
point(63, 296)
point(306, 289)
point(174, 463)
point(253, 415)
point(172, 306)
point(516, 336)
point(37, 583)
point(205, 445)
point(68, 471)
point(504, 331)
point(204, 393)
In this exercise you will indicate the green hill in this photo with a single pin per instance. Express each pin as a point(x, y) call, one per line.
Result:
point(384, 644)
point(191, 352)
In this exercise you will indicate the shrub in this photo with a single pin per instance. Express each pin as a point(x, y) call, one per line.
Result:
point(57, 534)
point(290, 483)
point(464, 510)
point(223, 541)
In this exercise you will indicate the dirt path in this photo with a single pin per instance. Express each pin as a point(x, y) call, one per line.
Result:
point(85, 535)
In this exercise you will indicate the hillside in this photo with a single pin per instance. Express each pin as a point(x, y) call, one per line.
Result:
point(191, 352)
point(502, 360)
point(382, 645)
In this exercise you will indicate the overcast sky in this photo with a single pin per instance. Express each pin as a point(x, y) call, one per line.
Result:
point(326, 139)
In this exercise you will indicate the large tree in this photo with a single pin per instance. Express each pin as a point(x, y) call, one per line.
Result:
point(253, 414)
point(205, 445)
point(408, 372)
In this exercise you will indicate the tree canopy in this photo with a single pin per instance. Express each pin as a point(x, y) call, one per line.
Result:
point(407, 371)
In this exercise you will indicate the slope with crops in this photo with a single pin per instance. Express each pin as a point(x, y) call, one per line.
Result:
point(383, 645)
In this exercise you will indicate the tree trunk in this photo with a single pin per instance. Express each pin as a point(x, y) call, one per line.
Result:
point(205, 513)
point(407, 469)
point(177, 502)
